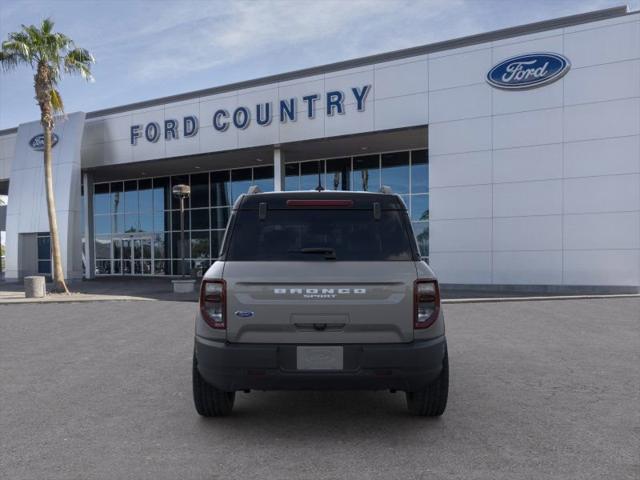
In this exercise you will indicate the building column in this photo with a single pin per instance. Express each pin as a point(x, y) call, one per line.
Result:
point(278, 170)
point(87, 222)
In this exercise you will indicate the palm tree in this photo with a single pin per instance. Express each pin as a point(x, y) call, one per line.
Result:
point(50, 55)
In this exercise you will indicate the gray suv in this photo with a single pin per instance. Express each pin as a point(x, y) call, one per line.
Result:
point(320, 290)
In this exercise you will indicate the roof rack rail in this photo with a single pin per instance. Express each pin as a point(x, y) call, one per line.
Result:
point(385, 189)
point(253, 189)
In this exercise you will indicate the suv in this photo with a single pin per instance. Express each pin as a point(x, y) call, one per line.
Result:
point(320, 290)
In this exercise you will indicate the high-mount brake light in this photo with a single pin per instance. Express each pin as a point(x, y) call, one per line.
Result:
point(213, 302)
point(319, 203)
point(426, 303)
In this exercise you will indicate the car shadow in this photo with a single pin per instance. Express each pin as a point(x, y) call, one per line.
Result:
point(334, 415)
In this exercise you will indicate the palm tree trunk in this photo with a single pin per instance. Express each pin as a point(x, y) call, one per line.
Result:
point(59, 284)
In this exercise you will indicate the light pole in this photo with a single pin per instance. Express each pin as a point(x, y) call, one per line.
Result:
point(182, 192)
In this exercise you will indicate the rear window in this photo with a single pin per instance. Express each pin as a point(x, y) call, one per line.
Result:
point(320, 235)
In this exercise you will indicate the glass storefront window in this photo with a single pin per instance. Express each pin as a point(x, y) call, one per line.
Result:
point(144, 210)
point(131, 203)
point(146, 222)
point(292, 176)
point(220, 192)
point(200, 190)
point(240, 182)
point(395, 171)
point(312, 174)
point(263, 178)
point(161, 221)
point(339, 174)
point(160, 245)
point(219, 217)
point(102, 224)
point(419, 171)
point(103, 247)
point(117, 223)
point(420, 207)
point(200, 245)
point(200, 219)
point(161, 194)
point(175, 220)
point(131, 222)
point(175, 245)
point(117, 193)
point(101, 199)
point(366, 173)
point(145, 195)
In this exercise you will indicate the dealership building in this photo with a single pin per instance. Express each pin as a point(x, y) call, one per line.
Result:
point(517, 153)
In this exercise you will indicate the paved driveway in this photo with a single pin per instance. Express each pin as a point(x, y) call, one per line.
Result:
point(539, 390)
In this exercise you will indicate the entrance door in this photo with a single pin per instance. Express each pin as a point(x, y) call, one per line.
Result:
point(134, 254)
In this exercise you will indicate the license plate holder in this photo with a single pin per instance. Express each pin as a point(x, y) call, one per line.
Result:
point(328, 357)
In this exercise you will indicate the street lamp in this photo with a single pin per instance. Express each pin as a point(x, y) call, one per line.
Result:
point(182, 192)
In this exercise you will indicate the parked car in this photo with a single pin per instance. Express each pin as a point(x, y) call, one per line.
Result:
point(320, 290)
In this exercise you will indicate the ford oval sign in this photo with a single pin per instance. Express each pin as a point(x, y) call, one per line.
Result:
point(37, 142)
point(528, 71)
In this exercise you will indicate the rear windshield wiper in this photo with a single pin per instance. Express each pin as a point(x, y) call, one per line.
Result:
point(329, 253)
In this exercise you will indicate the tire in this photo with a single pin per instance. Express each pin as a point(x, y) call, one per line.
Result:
point(209, 401)
point(432, 401)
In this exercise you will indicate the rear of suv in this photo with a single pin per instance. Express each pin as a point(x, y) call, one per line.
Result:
point(320, 290)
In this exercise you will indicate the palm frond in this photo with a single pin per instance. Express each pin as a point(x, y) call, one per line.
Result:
point(9, 61)
point(56, 101)
point(47, 26)
point(79, 61)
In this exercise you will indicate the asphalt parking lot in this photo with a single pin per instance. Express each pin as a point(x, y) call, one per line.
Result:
point(540, 390)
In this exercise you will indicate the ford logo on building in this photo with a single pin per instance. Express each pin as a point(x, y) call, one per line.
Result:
point(37, 142)
point(528, 71)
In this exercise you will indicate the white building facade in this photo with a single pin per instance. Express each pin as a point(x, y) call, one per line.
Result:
point(516, 151)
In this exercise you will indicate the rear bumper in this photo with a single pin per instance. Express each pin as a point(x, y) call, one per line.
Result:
point(406, 366)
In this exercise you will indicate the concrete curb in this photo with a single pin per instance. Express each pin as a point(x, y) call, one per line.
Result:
point(537, 299)
point(76, 299)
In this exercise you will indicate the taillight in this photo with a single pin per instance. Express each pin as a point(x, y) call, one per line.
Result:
point(213, 303)
point(426, 303)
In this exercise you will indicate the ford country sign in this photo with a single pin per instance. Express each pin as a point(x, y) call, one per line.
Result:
point(37, 142)
point(528, 71)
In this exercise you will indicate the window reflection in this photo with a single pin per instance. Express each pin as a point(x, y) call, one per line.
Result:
point(292, 176)
point(339, 174)
point(200, 190)
point(311, 175)
point(366, 173)
point(117, 198)
point(240, 182)
point(145, 195)
point(220, 194)
point(419, 171)
point(420, 207)
point(144, 210)
point(263, 178)
point(101, 199)
point(395, 171)
point(200, 245)
point(161, 194)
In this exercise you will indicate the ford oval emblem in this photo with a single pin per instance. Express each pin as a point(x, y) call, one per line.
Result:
point(243, 314)
point(528, 71)
point(37, 142)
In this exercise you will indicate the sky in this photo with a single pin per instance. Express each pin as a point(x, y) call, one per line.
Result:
point(150, 49)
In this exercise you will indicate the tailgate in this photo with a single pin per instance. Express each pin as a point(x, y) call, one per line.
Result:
point(320, 302)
